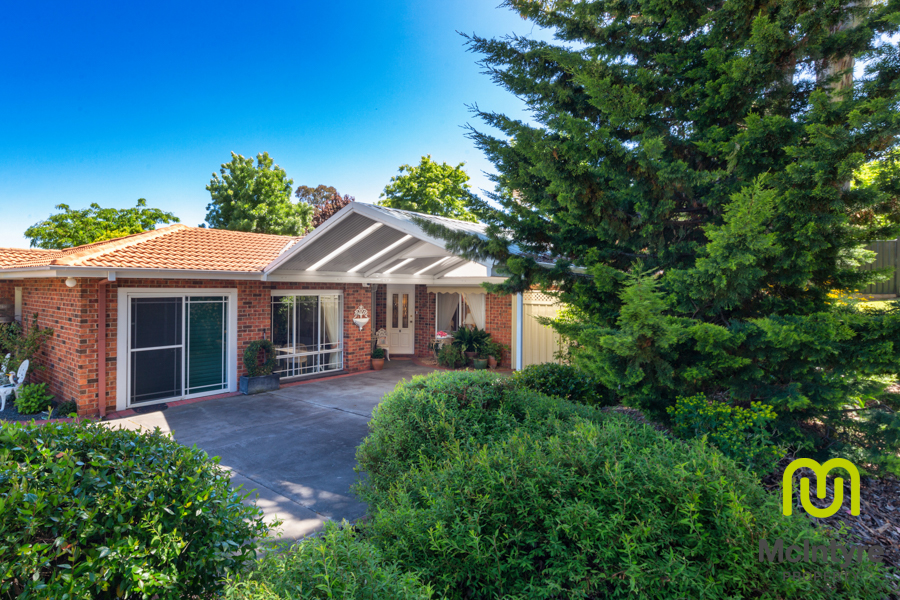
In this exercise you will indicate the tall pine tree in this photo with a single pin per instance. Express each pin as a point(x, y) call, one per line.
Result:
point(689, 173)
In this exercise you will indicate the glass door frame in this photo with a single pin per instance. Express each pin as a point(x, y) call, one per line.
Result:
point(123, 342)
point(340, 333)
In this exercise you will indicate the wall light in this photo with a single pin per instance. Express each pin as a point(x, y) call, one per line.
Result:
point(71, 282)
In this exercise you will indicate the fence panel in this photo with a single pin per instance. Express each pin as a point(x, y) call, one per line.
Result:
point(888, 256)
point(540, 342)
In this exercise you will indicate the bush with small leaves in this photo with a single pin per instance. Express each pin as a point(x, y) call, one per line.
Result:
point(91, 512)
point(337, 564)
point(565, 381)
point(451, 356)
point(32, 398)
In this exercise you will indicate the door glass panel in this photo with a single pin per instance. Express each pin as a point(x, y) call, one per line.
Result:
point(395, 310)
point(331, 322)
point(155, 374)
point(155, 322)
point(206, 364)
point(405, 311)
point(283, 324)
point(307, 332)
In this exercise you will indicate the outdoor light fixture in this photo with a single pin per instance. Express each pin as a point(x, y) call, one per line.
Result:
point(360, 317)
point(71, 282)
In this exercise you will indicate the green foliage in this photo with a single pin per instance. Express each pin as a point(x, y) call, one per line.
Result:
point(494, 348)
point(65, 409)
point(378, 353)
point(609, 509)
point(89, 512)
point(32, 398)
point(565, 381)
point(423, 418)
point(699, 179)
point(451, 356)
point(336, 565)
point(94, 224)
point(430, 188)
point(255, 198)
point(742, 434)
point(251, 358)
point(23, 343)
point(471, 340)
point(325, 201)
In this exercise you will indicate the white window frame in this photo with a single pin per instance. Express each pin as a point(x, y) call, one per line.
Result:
point(123, 373)
point(340, 336)
point(461, 302)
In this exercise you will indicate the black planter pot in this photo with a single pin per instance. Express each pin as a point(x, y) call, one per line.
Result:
point(260, 384)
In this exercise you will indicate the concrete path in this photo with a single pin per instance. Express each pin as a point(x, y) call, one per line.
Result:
point(296, 447)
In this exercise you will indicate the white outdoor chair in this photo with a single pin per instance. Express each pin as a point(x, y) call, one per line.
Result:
point(381, 342)
point(12, 387)
point(4, 365)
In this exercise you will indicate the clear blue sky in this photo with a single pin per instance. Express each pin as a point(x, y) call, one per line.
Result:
point(108, 102)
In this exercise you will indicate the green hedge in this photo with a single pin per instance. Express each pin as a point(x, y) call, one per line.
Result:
point(486, 490)
point(424, 417)
point(336, 565)
point(565, 381)
point(91, 512)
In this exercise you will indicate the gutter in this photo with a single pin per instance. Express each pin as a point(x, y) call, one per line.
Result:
point(101, 342)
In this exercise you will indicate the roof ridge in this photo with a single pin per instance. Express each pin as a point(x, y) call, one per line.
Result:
point(29, 249)
point(97, 249)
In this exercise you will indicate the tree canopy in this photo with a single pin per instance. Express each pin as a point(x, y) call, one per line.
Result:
point(324, 199)
point(72, 227)
point(255, 198)
point(692, 163)
point(430, 188)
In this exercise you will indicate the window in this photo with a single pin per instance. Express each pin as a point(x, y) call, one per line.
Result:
point(307, 331)
point(454, 310)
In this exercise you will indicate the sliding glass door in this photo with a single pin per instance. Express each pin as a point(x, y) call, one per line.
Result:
point(307, 331)
point(177, 347)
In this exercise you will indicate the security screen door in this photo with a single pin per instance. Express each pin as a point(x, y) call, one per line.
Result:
point(177, 347)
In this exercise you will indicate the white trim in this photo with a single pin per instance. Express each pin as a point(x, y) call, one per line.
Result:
point(380, 253)
point(520, 329)
point(404, 262)
point(346, 246)
point(305, 292)
point(411, 291)
point(431, 266)
point(122, 329)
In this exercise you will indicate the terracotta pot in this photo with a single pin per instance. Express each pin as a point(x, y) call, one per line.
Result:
point(378, 364)
point(492, 362)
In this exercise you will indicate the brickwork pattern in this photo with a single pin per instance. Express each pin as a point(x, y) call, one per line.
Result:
point(70, 358)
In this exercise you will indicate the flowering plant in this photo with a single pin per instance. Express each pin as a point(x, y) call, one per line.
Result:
point(441, 334)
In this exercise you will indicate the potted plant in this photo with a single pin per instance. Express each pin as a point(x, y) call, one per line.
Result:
point(470, 341)
point(260, 376)
point(480, 361)
point(494, 353)
point(378, 359)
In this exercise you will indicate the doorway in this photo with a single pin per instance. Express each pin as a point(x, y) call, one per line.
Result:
point(401, 318)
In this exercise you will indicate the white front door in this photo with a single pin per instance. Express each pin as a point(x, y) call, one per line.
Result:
point(401, 318)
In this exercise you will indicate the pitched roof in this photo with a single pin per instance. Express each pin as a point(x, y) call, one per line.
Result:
point(173, 247)
point(11, 256)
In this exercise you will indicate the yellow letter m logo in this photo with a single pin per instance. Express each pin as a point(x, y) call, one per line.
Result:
point(821, 471)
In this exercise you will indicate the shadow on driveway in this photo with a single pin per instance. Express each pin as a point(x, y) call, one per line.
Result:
point(295, 447)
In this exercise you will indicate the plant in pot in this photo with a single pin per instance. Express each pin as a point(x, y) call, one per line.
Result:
point(480, 361)
point(470, 341)
point(494, 351)
point(260, 362)
point(378, 359)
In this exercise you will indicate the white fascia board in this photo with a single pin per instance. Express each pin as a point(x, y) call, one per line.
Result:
point(399, 279)
point(120, 273)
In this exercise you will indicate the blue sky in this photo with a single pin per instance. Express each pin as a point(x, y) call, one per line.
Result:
point(108, 102)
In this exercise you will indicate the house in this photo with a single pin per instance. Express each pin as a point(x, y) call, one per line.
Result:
point(166, 314)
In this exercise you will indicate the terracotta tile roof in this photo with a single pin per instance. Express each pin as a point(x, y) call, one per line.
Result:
point(11, 256)
point(173, 247)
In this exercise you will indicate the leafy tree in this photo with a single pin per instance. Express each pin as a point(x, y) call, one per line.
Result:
point(430, 188)
point(693, 161)
point(324, 199)
point(255, 198)
point(94, 224)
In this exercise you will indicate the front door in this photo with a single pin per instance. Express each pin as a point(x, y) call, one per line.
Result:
point(401, 312)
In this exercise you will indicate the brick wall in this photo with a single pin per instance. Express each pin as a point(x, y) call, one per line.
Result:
point(70, 358)
point(498, 322)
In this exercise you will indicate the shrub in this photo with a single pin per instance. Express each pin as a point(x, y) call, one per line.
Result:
point(566, 382)
point(65, 409)
point(336, 565)
point(742, 434)
point(22, 344)
point(378, 353)
point(32, 398)
point(87, 511)
point(600, 510)
point(470, 340)
point(451, 356)
point(423, 419)
point(251, 358)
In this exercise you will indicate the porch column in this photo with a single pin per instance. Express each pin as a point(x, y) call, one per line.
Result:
point(520, 328)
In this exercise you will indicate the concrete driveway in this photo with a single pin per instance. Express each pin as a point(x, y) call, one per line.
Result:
point(296, 447)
